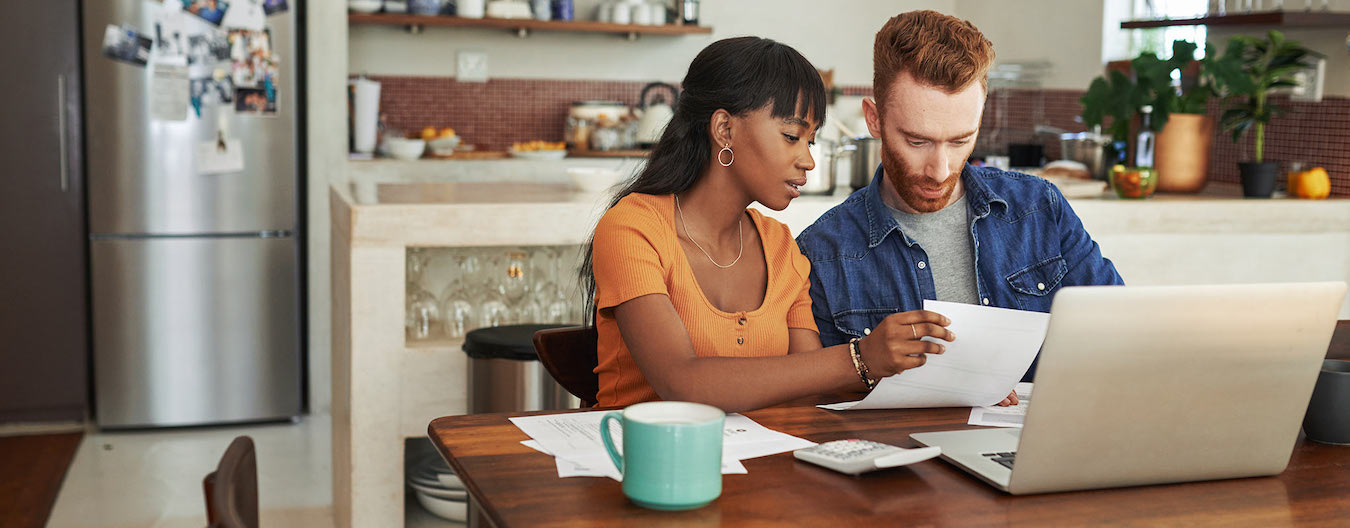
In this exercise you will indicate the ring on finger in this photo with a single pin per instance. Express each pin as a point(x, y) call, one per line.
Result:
point(916, 332)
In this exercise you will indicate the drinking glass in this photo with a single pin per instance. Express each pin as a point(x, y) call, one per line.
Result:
point(423, 318)
point(459, 315)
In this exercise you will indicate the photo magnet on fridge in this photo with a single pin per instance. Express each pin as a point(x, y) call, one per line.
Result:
point(274, 6)
point(252, 61)
point(210, 48)
point(209, 10)
point(211, 90)
point(245, 14)
point(170, 35)
point(125, 44)
point(259, 101)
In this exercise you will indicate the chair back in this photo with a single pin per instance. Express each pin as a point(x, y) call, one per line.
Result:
point(232, 489)
point(569, 356)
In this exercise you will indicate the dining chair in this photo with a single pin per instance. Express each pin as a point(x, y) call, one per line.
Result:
point(232, 489)
point(568, 354)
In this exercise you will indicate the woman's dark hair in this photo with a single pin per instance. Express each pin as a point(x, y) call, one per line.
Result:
point(739, 75)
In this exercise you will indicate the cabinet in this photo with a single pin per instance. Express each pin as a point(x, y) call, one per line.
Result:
point(43, 301)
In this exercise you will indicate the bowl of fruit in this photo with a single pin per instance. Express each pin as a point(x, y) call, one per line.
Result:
point(1133, 182)
point(539, 150)
point(442, 142)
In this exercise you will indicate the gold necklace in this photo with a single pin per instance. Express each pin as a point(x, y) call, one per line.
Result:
point(740, 232)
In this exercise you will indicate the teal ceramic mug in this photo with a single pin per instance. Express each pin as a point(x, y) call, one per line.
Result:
point(672, 453)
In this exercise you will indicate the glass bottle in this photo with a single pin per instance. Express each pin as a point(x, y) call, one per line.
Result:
point(689, 12)
point(1144, 143)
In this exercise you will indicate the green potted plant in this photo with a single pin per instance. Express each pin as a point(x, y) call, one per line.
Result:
point(1268, 64)
point(1184, 132)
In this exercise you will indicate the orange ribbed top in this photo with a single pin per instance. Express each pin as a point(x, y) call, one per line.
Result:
point(636, 253)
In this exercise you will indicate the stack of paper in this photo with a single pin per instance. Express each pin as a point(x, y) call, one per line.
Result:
point(574, 441)
point(1011, 416)
point(993, 348)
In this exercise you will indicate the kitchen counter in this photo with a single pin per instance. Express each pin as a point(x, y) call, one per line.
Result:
point(386, 389)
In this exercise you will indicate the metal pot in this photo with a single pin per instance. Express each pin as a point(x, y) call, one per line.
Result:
point(820, 180)
point(864, 154)
point(1089, 149)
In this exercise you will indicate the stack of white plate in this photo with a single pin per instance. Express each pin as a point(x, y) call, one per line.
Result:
point(438, 489)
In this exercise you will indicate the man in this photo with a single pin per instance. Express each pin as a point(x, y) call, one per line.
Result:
point(931, 226)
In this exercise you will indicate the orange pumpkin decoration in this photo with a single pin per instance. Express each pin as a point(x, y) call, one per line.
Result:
point(1313, 184)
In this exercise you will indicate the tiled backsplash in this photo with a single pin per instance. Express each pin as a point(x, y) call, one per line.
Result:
point(492, 115)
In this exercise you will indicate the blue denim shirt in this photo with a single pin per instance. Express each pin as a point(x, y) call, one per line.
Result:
point(1028, 243)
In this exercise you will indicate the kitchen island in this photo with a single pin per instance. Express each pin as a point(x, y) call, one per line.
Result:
point(387, 389)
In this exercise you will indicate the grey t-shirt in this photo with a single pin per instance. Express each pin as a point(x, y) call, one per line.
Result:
point(945, 236)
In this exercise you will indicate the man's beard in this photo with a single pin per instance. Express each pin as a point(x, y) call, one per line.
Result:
point(905, 182)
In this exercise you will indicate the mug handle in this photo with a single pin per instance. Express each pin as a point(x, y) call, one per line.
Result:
point(609, 442)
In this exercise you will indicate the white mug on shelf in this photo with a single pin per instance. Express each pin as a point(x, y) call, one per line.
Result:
point(621, 14)
point(640, 13)
point(658, 10)
point(470, 8)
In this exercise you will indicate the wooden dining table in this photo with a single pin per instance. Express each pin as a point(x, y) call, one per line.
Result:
point(513, 485)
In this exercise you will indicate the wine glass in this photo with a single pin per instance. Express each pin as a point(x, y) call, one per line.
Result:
point(422, 315)
point(459, 314)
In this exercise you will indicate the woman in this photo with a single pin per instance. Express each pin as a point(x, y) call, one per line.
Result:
point(698, 298)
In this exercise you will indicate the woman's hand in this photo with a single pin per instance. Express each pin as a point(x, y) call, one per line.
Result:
point(1010, 400)
point(894, 345)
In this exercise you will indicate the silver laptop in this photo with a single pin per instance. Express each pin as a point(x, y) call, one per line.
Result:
point(1150, 385)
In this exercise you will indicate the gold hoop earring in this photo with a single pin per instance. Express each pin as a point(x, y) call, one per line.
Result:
point(728, 162)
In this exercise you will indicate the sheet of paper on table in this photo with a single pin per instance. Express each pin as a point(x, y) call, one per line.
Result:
point(1010, 416)
point(574, 441)
point(993, 349)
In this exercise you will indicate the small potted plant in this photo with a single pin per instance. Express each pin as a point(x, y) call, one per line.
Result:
point(1269, 64)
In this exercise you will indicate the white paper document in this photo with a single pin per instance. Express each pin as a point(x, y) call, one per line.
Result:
point(993, 348)
point(212, 159)
point(169, 90)
point(574, 440)
point(1011, 416)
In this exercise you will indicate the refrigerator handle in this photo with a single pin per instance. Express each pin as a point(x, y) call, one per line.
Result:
point(61, 129)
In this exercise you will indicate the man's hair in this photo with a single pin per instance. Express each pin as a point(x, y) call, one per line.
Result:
point(938, 50)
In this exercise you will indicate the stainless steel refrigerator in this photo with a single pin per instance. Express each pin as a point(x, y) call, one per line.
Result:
point(195, 274)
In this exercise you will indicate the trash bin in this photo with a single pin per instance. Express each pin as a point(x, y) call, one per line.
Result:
point(505, 374)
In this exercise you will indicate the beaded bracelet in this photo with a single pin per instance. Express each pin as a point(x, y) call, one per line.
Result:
point(859, 365)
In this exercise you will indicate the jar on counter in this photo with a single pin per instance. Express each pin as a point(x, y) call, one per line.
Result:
point(577, 135)
point(581, 120)
point(606, 136)
point(628, 126)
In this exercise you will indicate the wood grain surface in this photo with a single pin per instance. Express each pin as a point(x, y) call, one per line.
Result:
point(517, 486)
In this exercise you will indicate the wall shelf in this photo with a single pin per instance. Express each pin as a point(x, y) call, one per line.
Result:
point(522, 26)
point(1305, 19)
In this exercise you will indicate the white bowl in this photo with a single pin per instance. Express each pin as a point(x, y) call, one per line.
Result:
point(546, 155)
point(445, 508)
point(458, 495)
point(406, 149)
point(594, 179)
point(451, 481)
point(364, 6)
point(444, 146)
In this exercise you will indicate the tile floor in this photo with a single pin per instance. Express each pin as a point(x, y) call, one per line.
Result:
point(154, 478)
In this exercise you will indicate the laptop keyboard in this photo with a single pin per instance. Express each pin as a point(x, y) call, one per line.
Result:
point(1006, 459)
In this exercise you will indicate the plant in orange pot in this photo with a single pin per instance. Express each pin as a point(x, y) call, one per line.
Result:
point(1185, 132)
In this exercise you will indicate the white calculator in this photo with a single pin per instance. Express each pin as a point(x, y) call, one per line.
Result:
point(860, 456)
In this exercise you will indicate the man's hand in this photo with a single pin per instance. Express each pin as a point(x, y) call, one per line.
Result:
point(1010, 400)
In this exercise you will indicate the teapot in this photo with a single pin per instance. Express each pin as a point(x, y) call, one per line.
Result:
point(655, 115)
